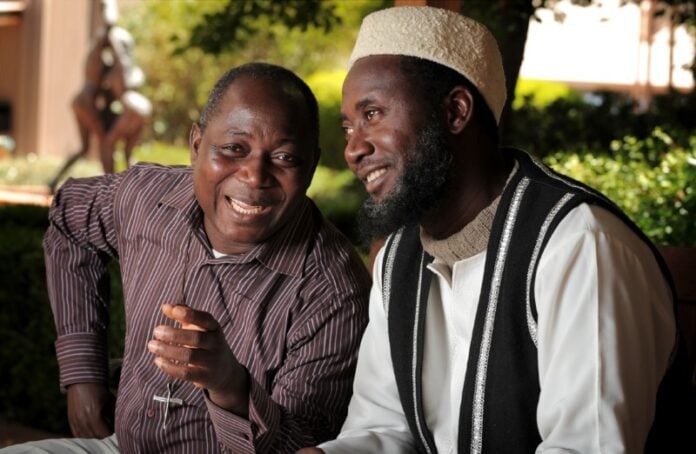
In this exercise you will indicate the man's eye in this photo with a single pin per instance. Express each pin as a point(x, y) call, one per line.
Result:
point(231, 150)
point(288, 159)
point(371, 114)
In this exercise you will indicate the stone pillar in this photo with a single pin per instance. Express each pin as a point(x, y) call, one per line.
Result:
point(54, 40)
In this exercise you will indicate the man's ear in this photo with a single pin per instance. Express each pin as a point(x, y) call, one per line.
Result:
point(460, 106)
point(194, 141)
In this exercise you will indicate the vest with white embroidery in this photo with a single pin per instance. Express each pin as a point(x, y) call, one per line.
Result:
point(501, 387)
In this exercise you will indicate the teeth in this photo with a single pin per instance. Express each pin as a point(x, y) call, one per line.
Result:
point(375, 174)
point(243, 208)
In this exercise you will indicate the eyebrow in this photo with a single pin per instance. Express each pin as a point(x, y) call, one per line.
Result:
point(236, 132)
point(292, 140)
point(359, 105)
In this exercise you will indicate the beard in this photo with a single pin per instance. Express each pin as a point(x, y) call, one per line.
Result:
point(418, 190)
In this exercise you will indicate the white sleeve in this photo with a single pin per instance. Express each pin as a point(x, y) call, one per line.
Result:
point(606, 331)
point(375, 421)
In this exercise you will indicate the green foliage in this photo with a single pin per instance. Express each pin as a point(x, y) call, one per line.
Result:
point(179, 79)
point(29, 389)
point(27, 357)
point(650, 179)
point(338, 194)
point(326, 86)
point(593, 121)
point(541, 93)
point(159, 152)
point(33, 170)
point(234, 25)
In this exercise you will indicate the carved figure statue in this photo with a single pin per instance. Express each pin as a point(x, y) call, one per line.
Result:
point(108, 108)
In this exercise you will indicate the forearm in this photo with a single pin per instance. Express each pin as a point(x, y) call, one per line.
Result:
point(76, 251)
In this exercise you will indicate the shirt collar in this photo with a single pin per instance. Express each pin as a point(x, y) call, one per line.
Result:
point(286, 251)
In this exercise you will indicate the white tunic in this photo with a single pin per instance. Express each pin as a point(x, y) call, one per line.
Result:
point(606, 331)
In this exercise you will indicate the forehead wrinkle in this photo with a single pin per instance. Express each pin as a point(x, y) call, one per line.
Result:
point(253, 122)
point(283, 140)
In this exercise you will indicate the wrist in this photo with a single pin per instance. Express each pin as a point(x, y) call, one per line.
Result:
point(233, 396)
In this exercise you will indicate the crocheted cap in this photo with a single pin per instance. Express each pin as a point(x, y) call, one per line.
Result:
point(441, 36)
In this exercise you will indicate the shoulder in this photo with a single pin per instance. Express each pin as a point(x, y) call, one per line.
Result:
point(597, 230)
point(146, 170)
point(596, 220)
point(149, 180)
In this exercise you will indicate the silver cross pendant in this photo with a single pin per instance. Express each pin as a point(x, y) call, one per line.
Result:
point(168, 401)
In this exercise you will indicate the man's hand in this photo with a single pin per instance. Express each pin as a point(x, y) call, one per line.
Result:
point(90, 410)
point(198, 352)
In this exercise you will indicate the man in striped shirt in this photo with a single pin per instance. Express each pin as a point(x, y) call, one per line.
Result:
point(244, 308)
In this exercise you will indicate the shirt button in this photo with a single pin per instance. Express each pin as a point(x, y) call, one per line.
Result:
point(150, 413)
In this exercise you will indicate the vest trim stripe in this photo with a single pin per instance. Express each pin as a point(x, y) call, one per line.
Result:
point(482, 369)
point(415, 378)
point(531, 319)
point(389, 267)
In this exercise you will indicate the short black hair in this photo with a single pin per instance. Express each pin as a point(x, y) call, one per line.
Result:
point(433, 81)
point(288, 80)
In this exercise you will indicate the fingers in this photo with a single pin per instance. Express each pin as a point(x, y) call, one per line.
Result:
point(186, 372)
point(190, 318)
point(197, 352)
point(184, 355)
point(185, 337)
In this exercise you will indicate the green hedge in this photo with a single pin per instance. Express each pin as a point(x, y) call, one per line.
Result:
point(29, 392)
point(29, 379)
point(652, 180)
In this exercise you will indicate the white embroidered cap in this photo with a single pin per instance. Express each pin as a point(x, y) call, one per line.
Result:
point(438, 35)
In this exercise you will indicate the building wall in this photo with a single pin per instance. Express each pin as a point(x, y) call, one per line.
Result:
point(42, 61)
point(10, 64)
point(610, 47)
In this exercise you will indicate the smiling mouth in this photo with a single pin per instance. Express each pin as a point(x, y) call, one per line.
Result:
point(372, 176)
point(244, 208)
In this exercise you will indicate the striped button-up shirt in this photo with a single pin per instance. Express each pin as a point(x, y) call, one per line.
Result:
point(293, 310)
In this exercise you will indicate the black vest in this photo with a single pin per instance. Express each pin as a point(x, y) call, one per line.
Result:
point(501, 387)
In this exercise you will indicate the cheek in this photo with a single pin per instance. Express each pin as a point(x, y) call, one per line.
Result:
point(204, 185)
point(294, 187)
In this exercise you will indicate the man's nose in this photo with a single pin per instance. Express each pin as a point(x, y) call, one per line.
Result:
point(357, 147)
point(254, 171)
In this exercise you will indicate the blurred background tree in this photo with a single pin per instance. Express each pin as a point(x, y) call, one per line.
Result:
point(184, 47)
point(313, 38)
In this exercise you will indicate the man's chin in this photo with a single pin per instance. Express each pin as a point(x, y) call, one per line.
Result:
point(378, 220)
